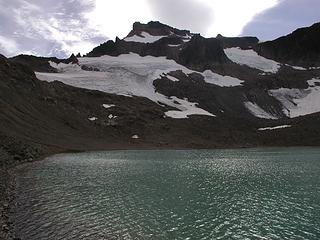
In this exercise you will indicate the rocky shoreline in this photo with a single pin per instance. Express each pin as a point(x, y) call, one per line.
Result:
point(7, 200)
point(14, 153)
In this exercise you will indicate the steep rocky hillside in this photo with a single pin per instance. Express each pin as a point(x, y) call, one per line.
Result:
point(300, 48)
point(160, 87)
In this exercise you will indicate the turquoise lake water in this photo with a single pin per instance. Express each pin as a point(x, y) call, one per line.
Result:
point(187, 194)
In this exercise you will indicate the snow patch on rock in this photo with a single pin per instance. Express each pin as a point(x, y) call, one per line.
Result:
point(106, 106)
point(299, 102)
point(111, 116)
point(297, 67)
point(174, 45)
point(274, 128)
point(171, 78)
point(187, 108)
point(62, 67)
point(222, 81)
point(257, 111)
point(143, 38)
point(252, 59)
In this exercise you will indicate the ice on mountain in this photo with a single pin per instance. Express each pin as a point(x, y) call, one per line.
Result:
point(252, 59)
point(257, 111)
point(299, 102)
point(130, 75)
point(144, 38)
point(222, 81)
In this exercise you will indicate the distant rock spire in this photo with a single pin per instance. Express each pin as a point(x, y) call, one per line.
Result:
point(73, 59)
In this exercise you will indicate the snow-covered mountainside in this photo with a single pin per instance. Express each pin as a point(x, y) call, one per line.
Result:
point(153, 51)
point(169, 85)
point(133, 75)
point(299, 102)
point(252, 59)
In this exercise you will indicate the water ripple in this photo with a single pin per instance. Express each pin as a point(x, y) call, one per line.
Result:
point(231, 194)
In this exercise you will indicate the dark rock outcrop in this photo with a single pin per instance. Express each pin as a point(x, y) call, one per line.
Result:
point(298, 48)
point(38, 64)
point(156, 28)
point(242, 42)
point(171, 36)
point(41, 64)
point(108, 48)
point(201, 53)
point(72, 59)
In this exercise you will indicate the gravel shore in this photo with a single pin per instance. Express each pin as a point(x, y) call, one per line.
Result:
point(13, 153)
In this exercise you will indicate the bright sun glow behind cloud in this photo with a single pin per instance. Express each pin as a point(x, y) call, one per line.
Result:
point(115, 18)
point(231, 16)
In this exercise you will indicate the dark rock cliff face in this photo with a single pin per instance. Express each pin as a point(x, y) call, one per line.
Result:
point(198, 53)
point(156, 29)
point(298, 48)
point(41, 64)
point(108, 48)
point(241, 42)
point(159, 48)
point(201, 53)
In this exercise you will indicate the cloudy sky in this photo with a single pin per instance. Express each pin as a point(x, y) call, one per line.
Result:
point(60, 27)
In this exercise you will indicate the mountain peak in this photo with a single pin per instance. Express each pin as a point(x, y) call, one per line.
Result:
point(156, 28)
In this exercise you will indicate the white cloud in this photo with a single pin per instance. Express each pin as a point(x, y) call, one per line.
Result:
point(115, 18)
point(51, 27)
point(231, 16)
point(8, 46)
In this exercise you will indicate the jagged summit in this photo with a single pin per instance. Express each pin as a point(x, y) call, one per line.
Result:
point(246, 42)
point(157, 39)
point(156, 28)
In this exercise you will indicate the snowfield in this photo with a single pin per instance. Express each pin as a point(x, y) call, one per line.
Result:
point(144, 38)
point(222, 81)
point(132, 75)
point(257, 111)
point(252, 59)
point(189, 109)
point(299, 102)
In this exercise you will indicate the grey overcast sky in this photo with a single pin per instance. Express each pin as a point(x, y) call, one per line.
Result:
point(60, 27)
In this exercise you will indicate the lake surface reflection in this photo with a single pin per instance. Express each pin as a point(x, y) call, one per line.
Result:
point(193, 194)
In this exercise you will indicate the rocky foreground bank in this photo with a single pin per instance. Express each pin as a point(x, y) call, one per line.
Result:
point(14, 152)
